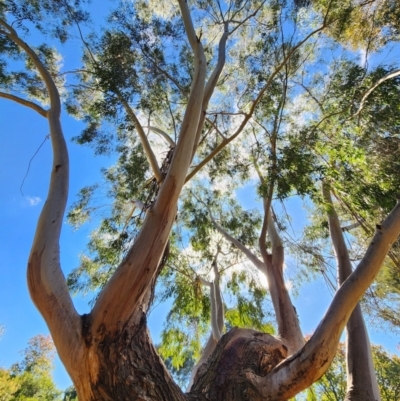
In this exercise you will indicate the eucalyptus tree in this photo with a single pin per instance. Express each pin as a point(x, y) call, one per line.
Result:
point(207, 72)
point(332, 385)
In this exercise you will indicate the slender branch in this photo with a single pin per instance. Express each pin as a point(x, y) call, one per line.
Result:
point(167, 74)
point(162, 134)
point(44, 73)
point(151, 158)
point(218, 296)
point(250, 255)
point(391, 75)
point(24, 102)
point(253, 14)
point(351, 227)
point(211, 84)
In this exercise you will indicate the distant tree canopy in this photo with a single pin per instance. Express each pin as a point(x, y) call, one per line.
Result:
point(30, 379)
point(332, 386)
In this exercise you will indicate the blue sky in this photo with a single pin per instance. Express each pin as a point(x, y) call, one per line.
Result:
point(23, 131)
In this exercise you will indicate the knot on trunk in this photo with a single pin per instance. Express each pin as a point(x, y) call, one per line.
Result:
point(239, 351)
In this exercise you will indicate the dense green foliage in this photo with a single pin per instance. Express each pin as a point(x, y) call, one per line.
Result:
point(292, 108)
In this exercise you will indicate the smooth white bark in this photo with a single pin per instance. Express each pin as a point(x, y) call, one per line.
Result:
point(361, 377)
point(299, 371)
point(124, 291)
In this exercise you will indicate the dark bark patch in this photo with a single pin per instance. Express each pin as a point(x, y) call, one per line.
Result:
point(130, 368)
point(86, 322)
point(238, 352)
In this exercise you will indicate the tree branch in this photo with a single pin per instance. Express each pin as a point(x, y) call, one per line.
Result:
point(250, 255)
point(25, 102)
point(211, 84)
point(46, 282)
point(361, 377)
point(151, 158)
point(299, 371)
point(162, 134)
point(218, 297)
point(391, 75)
point(124, 292)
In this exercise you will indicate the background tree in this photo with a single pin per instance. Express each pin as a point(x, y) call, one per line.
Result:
point(31, 378)
point(332, 386)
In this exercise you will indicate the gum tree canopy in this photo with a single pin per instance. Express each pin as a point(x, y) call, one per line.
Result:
point(197, 99)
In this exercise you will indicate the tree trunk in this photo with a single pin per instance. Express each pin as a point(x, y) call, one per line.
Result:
point(361, 378)
point(128, 367)
point(224, 377)
point(362, 383)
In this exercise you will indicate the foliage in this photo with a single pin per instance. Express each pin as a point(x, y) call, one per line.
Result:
point(30, 379)
point(291, 96)
point(332, 386)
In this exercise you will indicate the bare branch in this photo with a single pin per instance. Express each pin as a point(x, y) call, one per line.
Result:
point(250, 255)
point(211, 84)
point(351, 226)
point(391, 75)
point(253, 14)
point(24, 102)
point(151, 158)
point(44, 73)
point(162, 134)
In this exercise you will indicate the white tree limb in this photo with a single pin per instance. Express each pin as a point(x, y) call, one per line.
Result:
point(46, 282)
point(391, 75)
point(151, 158)
point(361, 377)
point(351, 226)
point(124, 292)
point(162, 134)
point(218, 297)
point(211, 84)
point(299, 371)
point(24, 102)
point(250, 255)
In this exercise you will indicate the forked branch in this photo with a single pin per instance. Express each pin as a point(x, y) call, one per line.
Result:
point(308, 364)
point(123, 294)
